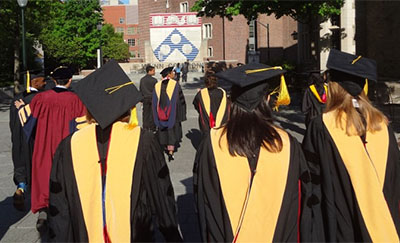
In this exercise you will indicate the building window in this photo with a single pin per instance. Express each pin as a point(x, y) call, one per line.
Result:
point(207, 31)
point(184, 7)
point(121, 20)
point(119, 30)
point(210, 51)
point(131, 42)
point(131, 30)
point(133, 54)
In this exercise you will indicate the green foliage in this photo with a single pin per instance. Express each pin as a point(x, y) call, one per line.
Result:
point(36, 16)
point(299, 10)
point(113, 45)
point(71, 36)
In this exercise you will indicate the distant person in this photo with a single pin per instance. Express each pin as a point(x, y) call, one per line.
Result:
point(48, 116)
point(146, 88)
point(110, 180)
point(177, 71)
point(211, 103)
point(22, 148)
point(169, 111)
point(185, 71)
point(314, 98)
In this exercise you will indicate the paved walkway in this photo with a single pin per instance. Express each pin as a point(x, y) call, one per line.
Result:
point(18, 226)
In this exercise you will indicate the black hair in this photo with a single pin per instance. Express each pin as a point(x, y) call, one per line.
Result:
point(248, 130)
point(149, 68)
point(61, 81)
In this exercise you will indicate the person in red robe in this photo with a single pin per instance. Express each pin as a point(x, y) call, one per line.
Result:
point(49, 117)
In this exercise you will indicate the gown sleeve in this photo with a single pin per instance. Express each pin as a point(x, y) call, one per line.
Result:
point(60, 222)
point(158, 184)
point(28, 117)
point(213, 217)
point(313, 147)
point(182, 104)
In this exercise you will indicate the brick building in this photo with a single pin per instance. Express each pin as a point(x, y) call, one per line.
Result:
point(219, 39)
point(125, 20)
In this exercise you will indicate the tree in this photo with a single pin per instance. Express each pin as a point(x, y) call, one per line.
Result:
point(113, 45)
point(71, 36)
point(301, 11)
point(37, 13)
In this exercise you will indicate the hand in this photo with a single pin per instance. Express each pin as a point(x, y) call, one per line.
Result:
point(19, 103)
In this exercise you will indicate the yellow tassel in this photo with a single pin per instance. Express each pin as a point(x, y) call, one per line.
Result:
point(283, 96)
point(366, 87)
point(28, 82)
point(133, 120)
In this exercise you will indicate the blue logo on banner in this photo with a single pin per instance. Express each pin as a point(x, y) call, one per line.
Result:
point(176, 41)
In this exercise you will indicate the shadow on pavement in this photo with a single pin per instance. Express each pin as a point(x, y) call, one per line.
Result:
point(9, 215)
point(187, 216)
point(195, 137)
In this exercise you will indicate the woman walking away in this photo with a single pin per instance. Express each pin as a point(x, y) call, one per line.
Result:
point(211, 103)
point(251, 178)
point(354, 158)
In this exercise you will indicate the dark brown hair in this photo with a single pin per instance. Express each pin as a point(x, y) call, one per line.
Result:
point(209, 79)
point(248, 130)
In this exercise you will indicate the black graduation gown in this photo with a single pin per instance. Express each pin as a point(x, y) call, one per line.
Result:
point(151, 192)
point(22, 148)
point(311, 107)
point(146, 88)
point(215, 95)
point(172, 136)
point(339, 207)
point(293, 221)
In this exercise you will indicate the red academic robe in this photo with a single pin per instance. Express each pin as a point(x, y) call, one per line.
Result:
point(50, 114)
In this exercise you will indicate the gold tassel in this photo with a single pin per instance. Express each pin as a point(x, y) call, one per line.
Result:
point(283, 94)
point(28, 82)
point(366, 87)
point(133, 120)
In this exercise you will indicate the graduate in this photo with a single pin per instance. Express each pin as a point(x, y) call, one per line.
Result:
point(251, 179)
point(169, 111)
point(146, 88)
point(22, 148)
point(48, 115)
point(110, 177)
point(354, 158)
point(314, 98)
point(211, 103)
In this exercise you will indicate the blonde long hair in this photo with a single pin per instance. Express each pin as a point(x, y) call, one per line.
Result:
point(340, 101)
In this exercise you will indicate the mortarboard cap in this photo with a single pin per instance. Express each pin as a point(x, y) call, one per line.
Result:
point(108, 93)
point(61, 72)
point(37, 75)
point(31, 76)
point(250, 83)
point(350, 71)
point(166, 71)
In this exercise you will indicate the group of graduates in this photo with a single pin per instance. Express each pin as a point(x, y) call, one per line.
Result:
point(107, 179)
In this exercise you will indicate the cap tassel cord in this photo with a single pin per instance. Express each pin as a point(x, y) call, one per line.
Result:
point(356, 60)
point(117, 87)
point(28, 82)
point(263, 69)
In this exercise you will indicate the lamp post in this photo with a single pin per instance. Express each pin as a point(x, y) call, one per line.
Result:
point(99, 51)
point(22, 4)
